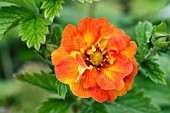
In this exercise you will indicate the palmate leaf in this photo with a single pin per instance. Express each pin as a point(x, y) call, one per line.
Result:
point(54, 106)
point(9, 16)
point(52, 8)
point(33, 30)
point(143, 33)
point(152, 70)
point(45, 81)
point(133, 102)
point(89, 1)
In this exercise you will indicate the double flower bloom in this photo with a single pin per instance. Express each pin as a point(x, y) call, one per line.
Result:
point(96, 60)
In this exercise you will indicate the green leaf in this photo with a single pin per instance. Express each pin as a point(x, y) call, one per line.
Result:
point(89, 1)
point(45, 81)
point(33, 30)
point(54, 106)
point(8, 17)
point(143, 33)
point(133, 102)
point(32, 5)
point(152, 70)
point(52, 8)
point(92, 107)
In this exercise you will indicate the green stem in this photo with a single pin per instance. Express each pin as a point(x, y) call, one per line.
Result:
point(151, 52)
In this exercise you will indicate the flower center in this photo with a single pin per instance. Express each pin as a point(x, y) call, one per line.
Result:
point(96, 58)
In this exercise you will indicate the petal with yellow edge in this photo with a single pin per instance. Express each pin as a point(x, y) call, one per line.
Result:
point(90, 29)
point(70, 34)
point(58, 54)
point(67, 70)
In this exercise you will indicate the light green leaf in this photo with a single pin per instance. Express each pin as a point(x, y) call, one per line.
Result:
point(92, 107)
point(89, 1)
point(32, 5)
point(45, 81)
point(143, 33)
point(8, 17)
point(33, 30)
point(52, 8)
point(152, 70)
point(133, 102)
point(54, 106)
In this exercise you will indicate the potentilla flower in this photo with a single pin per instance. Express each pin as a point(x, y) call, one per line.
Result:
point(96, 60)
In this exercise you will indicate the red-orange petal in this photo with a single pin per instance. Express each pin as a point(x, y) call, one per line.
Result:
point(116, 44)
point(90, 29)
point(67, 70)
point(130, 49)
point(78, 89)
point(58, 54)
point(70, 34)
point(98, 94)
point(89, 78)
point(105, 25)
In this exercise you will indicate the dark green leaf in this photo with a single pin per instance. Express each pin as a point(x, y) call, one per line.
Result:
point(143, 33)
point(33, 30)
point(52, 8)
point(8, 16)
point(89, 1)
point(92, 107)
point(45, 81)
point(152, 70)
point(54, 106)
point(133, 102)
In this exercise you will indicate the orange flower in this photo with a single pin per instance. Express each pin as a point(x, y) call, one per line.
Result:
point(96, 60)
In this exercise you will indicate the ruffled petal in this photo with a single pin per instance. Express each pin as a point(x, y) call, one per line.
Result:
point(67, 70)
point(108, 80)
point(98, 94)
point(130, 49)
point(58, 54)
point(90, 29)
point(105, 25)
point(89, 78)
point(69, 37)
point(78, 89)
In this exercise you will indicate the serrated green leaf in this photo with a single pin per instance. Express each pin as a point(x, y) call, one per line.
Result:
point(161, 27)
point(54, 106)
point(45, 81)
point(33, 30)
point(143, 33)
point(94, 107)
point(89, 1)
point(52, 8)
point(133, 102)
point(32, 5)
point(152, 70)
point(8, 16)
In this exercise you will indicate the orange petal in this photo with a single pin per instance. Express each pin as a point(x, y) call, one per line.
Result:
point(130, 49)
point(116, 43)
point(58, 55)
point(105, 25)
point(89, 78)
point(130, 78)
point(108, 80)
point(78, 89)
point(98, 94)
point(67, 70)
point(121, 68)
point(70, 34)
point(90, 29)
